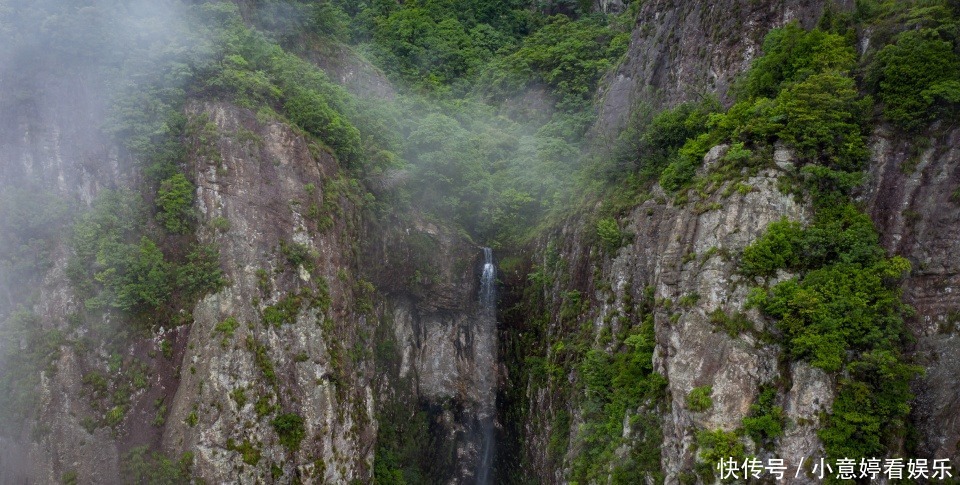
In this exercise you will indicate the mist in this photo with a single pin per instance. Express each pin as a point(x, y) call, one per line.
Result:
point(67, 69)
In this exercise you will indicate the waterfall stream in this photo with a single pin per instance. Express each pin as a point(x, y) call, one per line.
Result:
point(486, 366)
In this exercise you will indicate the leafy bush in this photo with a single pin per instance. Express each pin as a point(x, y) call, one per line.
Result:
point(200, 274)
point(823, 119)
point(290, 429)
point(917, 79)
point(135, 277)
point(871, 407)
point(699, 399)
point(718, 445)
point(616, 385)
point(227, 327)
point(839, 308)
point(175, 204)
point(310, 111)
point(766, 420)
point(679, 172)
point(733, 325)
point(780, 247)
point(791, 54)
point(249, 453)
point(611, 237)
point(649, 146)
point(839, 234)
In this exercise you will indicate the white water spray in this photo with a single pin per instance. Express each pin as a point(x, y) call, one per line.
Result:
point(486, 366)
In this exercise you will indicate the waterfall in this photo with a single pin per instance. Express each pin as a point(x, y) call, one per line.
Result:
point(486, 365)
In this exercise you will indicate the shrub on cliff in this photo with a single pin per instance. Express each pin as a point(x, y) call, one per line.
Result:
point(611, 237)
point(699, 399)
point(175, 204)
point(290, 429)
point(917, 79)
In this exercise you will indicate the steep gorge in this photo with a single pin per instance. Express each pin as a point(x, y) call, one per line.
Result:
point(349, 341)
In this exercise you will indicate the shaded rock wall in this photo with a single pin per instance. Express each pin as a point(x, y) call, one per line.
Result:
point(912, 197)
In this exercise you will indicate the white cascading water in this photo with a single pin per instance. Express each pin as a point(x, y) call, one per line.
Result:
point(486, 365)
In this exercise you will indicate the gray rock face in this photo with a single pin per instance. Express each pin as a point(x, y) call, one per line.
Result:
point(687, 255)
point(912, 197)
point(353, 72)
point(430, 277)
point(682, 253)
point(263, 185)
point(683, 51)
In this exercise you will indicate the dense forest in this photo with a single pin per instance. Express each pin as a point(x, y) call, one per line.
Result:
point(475, 124)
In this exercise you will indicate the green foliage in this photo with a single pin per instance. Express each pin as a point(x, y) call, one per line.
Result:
point(823, 118)
point(872, 406)
point(228, 326)
point(312, 112)
point(839, 308)
point(567, 55)
point(296, 254)
point(780, 247)
point(200, 274)
point(249, 453)
point(262, 359)
point(918, 78)
point(841, 233)
point(615, 386)
point(611, 237)
point(766, 420)
point(718, 445)
point(842, 313)
point(329, 20)
point(290, 429)
point(733, 325)
point(650, 146)
point(69, 478)
point(791, 54)
point(699, 399)
point(175, 203)
point(129, 271)
point(134, 277)
point(257, 73)
point(142, 466)
point(284, 311)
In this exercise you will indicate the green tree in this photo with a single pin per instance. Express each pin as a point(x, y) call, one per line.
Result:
point(823, 118)
point(917, 79)
point(175, 204)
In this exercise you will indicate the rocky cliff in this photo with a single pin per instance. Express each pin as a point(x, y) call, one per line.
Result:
point(684, 51)
point(347, 340)
point(912, 197)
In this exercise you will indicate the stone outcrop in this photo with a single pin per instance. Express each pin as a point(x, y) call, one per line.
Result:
point(685, 51)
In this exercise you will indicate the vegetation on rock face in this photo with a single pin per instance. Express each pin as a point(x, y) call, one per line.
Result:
point(493, 136)
point(115, 267)
point(143, 466)
point(290, 429)
point(175, 204)
point(699, 399)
